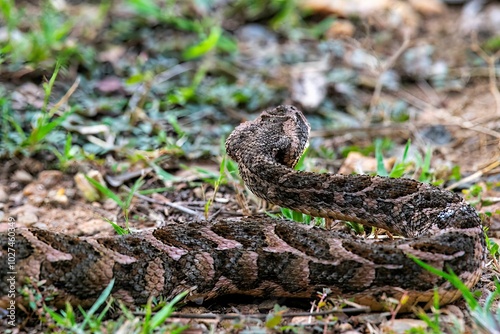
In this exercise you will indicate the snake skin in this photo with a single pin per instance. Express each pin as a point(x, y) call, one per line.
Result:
point(264, 257)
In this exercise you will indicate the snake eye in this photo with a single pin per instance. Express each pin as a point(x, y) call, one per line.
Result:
point(281, 110)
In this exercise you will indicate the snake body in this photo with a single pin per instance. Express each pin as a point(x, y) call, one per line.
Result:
point(267, 257)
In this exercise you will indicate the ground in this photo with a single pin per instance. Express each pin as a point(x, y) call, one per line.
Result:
point(120, 90)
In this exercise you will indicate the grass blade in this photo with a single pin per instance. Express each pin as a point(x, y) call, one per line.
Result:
point(118, 229)
point(43, 129)
point(137, 184)
point(380, 159)
point(452, 278)
point(102, 298)
point(106, 191)
point(204, 46)
point(166, 311)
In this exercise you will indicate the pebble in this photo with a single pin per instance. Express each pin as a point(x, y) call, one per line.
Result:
point(58, 197)
point(22, 176)
point(22, 209)
point(42, 226)
point(36, 200)
point(109, 204)
point(34, 188)
point(93, 226)
point(50, 178)
point(402, 325)
point(345, 327)
point(36, 193)
point(27, 218)
point(340, 28)
point(3, 194)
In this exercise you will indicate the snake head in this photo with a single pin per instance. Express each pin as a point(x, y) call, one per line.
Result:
point(281, 134)
point(288, 132)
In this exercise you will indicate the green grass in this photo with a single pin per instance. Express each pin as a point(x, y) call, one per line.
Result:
point(433, 320)
point(46, 121)
point(482, 315)
point(421, 166)
point(123, 202)
point(44, 38)
point(95, 320)
point(227, 171)
point(70, 153)
point(494, 251)
point(298, 217)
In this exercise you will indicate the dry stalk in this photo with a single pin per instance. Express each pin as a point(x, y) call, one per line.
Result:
point(66, 96)
point(387, 65)
point(490, 60)
point(475, 176)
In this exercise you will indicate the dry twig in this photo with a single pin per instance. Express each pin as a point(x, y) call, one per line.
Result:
point(388, 64)
point(474, 176)
point(491, 61)
point(66, 96)
point(164, 201)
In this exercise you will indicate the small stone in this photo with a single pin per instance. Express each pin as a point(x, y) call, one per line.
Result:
point(300, 320)
point(17, 198)
point(345, 327)
point(39, 225)
point(32, 165)
point(22, 209)
point(93, 226)
point(33, 188)
point(428, 7)
point(36, 193)
point(109, 204)
point(437, 134)
point(58, 197)
point(27, 218)
point(3, 194)
point(402, 325)
point(22, 176)
point(50, 178)
point(221, 200)
point(70, 192)
point(199, 193)
point(455, 310)
point(109, 84)
point(340, 28)
point(267, 305)
point(36, 200)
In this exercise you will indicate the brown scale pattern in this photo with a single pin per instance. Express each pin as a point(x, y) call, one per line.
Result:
point(266, 257)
